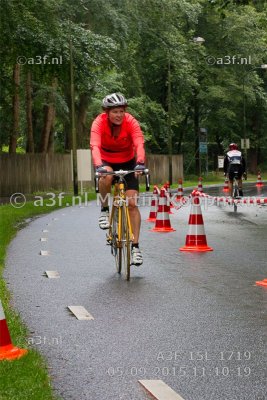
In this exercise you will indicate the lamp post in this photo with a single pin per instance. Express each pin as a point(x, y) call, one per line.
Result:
point(264, 67)
point(169, 124)
point(199, 41)
point(73, 128)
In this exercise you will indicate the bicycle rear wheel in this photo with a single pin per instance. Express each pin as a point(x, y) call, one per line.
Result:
point(235, 194)
point(235, 207)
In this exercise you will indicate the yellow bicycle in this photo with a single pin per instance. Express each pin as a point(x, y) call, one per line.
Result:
point(120, 234)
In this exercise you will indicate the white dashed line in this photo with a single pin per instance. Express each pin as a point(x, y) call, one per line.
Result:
point(159, 390)
point(44, 253)
point(52, 274)
point(80, 313)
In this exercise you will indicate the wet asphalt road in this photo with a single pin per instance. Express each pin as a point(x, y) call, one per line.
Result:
point(195, 321)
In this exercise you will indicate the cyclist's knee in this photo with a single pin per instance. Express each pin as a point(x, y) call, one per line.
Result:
point(107, 180)
point(132, 203)
point(132, 199)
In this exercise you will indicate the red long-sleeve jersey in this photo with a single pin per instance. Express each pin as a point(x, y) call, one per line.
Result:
point(106, 147)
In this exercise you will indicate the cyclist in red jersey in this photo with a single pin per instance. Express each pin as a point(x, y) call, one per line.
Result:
point(117, 142)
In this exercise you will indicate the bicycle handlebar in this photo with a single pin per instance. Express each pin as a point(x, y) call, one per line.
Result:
point(122, 173)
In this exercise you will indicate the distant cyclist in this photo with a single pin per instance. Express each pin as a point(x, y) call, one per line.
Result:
point(234, 162)
point(117, 142)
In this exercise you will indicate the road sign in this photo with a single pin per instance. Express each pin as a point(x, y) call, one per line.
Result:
point(203, 147)
point(220, 161)
point(245, 144)
point(203, 134)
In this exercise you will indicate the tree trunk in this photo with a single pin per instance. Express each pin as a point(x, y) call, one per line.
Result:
point(30, 140)
point(82, 131)
point(182, 132)
point(50, 148)
point(253, 153)
point(49, 116)
point(15, 129)
point(67, 126)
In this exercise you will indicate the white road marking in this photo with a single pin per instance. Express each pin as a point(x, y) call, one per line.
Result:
point(159, 390)
point(52, 274)
point(45, 231)
point(43, 239)
point(55, 219)
point(44, 253)
point(80, 313)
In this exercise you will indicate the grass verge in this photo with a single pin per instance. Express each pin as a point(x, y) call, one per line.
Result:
point(28, 377)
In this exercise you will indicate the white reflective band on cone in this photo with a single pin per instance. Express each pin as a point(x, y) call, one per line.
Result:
point(196, 230)
point(162, 201)
point(196, 210)
point(162, 216)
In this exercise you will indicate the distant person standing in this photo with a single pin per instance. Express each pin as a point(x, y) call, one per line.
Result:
point(234, 162)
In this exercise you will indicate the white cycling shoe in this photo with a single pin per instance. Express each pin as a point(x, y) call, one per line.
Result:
point(137, 258)
point(103, 220)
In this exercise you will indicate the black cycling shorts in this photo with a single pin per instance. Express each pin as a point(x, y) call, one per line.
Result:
point(235, 169)
point(131, 182)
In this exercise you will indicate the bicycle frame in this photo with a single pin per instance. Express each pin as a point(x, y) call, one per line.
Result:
point(120, 201)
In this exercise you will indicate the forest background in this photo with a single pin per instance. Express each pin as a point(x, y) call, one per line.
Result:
point(178, 87)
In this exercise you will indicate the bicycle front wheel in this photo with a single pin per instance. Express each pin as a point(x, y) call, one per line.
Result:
point(124, 243)
point(115, 244)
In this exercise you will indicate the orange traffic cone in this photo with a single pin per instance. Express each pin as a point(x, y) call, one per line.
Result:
point(180, 191)
point(168, 200)
point(167, 187)
point(163, 223)
point(154, 206)
point(7, 350)
point(196, 237)
point(262, 283)
point(259, 181)
point(226, 185)
point(199, 186)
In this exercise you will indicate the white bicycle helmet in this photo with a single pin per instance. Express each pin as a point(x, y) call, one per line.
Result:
point(114, 100)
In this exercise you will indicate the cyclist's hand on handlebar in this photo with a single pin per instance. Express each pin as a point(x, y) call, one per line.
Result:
point(100, 169)
point(140, 167)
